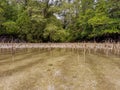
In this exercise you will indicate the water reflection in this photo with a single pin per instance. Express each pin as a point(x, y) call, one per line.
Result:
point(58, 69)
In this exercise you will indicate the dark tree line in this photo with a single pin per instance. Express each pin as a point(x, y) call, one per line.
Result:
point(60, 20)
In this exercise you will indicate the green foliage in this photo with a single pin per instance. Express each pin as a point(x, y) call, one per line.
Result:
point(79, 20)
point(111, 31)
point(55, 34)
point(99, 20)
point(24, 25)
point(10, 27)
point(1, 16)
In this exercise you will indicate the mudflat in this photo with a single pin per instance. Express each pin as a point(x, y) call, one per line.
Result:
point(59, 69)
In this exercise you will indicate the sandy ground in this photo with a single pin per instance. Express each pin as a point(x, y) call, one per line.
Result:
point(60, 69)
point(62, 45)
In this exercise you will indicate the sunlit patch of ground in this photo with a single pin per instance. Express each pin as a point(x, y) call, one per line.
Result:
point(59, 69)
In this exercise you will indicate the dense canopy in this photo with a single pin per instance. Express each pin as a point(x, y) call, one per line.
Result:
point(60, 20)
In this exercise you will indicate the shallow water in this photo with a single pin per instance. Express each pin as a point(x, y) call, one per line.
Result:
point(58, 69)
